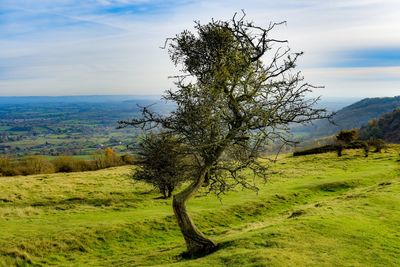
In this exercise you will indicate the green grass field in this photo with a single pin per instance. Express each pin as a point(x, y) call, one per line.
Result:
point(314, 211)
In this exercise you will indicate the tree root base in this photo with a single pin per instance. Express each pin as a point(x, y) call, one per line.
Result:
point(204, 251)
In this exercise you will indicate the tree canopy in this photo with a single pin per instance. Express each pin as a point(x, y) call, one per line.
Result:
point(347, 136)
point(237, 92)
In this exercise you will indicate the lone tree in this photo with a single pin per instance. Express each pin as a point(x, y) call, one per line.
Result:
point(237, 92)
point(161, 162)
point(347, 136)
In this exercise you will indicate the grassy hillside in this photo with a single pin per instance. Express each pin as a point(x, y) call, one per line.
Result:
point(352, 116)
point(314, 211)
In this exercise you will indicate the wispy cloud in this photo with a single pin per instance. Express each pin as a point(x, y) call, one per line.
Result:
point(112, 46)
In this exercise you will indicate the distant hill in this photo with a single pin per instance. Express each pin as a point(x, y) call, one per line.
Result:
point(387, 127)
point(336, 103)
point(353, 116)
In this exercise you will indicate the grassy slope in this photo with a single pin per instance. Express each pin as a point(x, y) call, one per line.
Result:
point(315, 211)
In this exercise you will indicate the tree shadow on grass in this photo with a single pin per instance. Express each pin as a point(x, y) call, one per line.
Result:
point(191, 256)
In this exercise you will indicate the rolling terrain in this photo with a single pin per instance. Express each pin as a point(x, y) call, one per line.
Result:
point(317, 210)
point(349, 117)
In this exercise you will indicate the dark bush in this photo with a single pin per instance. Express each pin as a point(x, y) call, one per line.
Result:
point(316, 150)
point(85, 165)
point(338, 147)
point(347, 136)
point(65, 164)
point(128, 159)
point(379, 144)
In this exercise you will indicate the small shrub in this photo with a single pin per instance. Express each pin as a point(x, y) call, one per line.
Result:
point(347, 136)
point(111, 158)
point(379, 144)
point(84, 165)
point(35, 165)
point(162, 163)
point(7, 167)
point(106, 158)
point(128, 159)
point(65, 164)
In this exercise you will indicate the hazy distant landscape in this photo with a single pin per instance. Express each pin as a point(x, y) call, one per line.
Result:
point(77, 125)
point(69, 125)
point(81, 125)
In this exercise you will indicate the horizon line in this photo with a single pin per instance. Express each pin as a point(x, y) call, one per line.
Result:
point(80, 95)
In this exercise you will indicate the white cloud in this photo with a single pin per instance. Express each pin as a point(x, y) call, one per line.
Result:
point(356, 82)
point(62, 47)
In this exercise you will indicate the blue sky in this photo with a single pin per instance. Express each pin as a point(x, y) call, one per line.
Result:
point(368, 57)
point(71, 47)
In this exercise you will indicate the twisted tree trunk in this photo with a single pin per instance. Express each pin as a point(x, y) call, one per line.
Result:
point(196, 242)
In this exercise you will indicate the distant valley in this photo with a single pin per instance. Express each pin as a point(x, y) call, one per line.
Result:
point(72, 125)
point(80, 125)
